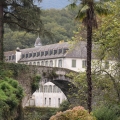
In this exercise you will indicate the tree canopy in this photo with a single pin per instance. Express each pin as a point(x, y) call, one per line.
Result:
point(20, 15)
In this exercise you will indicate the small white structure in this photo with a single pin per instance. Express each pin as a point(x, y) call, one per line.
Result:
point(48, 95)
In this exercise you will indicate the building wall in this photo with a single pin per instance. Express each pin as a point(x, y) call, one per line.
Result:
point(48, 95)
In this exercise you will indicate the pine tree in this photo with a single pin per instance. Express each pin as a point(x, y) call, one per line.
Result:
point(20, 15)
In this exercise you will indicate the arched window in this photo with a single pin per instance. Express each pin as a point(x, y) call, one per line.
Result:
point(38, 63)
point(41, 88)
point(50, 88)
point(34, 63)
point(45, 88)
point(51, 63)
point(54, 88)
point(42, 63)
point(60, 63)
point(46, 63)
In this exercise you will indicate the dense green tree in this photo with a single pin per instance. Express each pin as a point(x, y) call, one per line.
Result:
point(108, 38)
point(88, 9)
point(19, 14)
point(59, 22)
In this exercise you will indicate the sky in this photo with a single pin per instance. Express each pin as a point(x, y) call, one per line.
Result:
point(57, 4)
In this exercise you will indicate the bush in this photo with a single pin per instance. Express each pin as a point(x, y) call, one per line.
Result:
point(110, 112)
point(77, 113)
point(11, 95)
point(64, 106)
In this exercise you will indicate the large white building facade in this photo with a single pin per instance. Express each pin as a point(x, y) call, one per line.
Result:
point(54, 55)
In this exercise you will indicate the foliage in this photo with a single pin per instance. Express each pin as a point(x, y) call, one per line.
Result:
point(38, 113)
point(107, 112)
point(64, 105)
point(77, 113)
point(12, 69)
point(79, 80)
point(11, 95)
point(107, 35)
point(59, 22)
point(35, 82)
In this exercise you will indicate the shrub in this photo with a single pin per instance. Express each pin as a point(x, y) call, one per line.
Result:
point(107, 112)
point(64, 106)
point(77, 113)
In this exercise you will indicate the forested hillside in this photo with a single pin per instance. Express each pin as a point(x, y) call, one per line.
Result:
point(60, 23)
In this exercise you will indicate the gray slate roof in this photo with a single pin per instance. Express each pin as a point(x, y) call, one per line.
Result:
point(77, 51)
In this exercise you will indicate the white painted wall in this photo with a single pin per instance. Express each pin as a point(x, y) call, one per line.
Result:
point(68, 64)
point(47, 98)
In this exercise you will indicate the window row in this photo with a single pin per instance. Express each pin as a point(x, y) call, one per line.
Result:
point(44, 53)
point(11, 57)
point(84, 63)
point(49, 89)
point(50, 63)
point(49, 102)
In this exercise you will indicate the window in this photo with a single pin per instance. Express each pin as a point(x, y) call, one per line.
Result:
point(46, 63)
point(30, 63)
point(30, 55)
point(26, 55)
point(55, 52)
point(38, 54)
point(45, 89)
point(38, 63)
point(34, 63)
point(65, 50)
point(42, 53)
point(106, 64)
point(60, 63)
point(46, 52)
point(58, 101)
point(34, 54)
point(13, 57)
point(9, 57)
point(84, 64)
point(42, 63)
point(51, 63)
point(59, 51)
point(50, 89)
point(58, 90)
point(73, 63)
point(51, 52)
point(49, 101)
point(45, 101)
point(54, 89)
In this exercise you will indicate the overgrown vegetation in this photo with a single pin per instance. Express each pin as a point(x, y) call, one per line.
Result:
point(38, 113)
point(35, 82)
point(11, 94)
point(107, 112)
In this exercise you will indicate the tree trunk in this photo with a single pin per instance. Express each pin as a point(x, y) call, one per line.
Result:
point(1, 32)
point(88, 71)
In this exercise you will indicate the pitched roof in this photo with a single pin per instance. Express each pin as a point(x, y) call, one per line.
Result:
point(77, 51)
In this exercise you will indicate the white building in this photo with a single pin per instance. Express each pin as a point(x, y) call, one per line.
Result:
point(48, 95)
point(54, 55)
